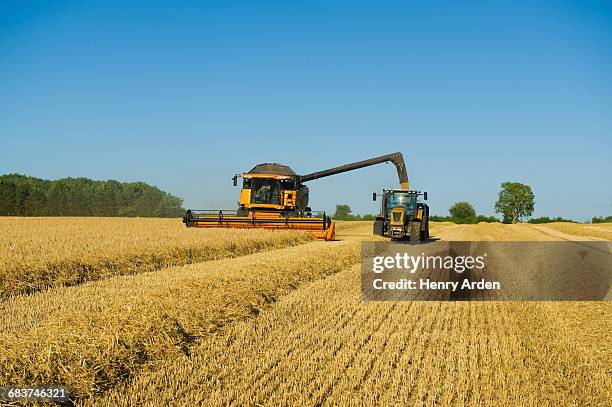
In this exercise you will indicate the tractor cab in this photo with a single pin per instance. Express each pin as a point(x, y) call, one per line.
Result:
point(406, 201)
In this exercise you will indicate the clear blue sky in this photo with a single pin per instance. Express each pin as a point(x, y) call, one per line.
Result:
point(183, 95)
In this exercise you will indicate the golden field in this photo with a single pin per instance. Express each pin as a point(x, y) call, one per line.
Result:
point(91, 336)
point(598, 230)
point(39, 253)
point(286, 326)
point(321, 345)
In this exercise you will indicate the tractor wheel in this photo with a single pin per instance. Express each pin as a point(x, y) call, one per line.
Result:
point(415, 232)
point(378, 228)
point(425, 234)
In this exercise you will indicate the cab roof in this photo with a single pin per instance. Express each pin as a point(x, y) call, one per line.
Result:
point(408, 191)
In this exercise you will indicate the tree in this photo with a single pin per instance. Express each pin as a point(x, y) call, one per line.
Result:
point(35, 203)
point(7, 198)
point(29, 196)
point(515, 201)
point(601, 219)
point(462, 210)
point(342, 212)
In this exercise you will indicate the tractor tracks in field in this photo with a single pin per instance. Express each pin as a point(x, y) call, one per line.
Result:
point(503, 232)
point(578, 240)
point(564, 236)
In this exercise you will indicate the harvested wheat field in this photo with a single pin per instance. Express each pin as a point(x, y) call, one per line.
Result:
point(39, 253)
point(600, 230)
point(286, 326)
point(321, 345)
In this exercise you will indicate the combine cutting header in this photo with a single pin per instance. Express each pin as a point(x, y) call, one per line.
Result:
point(273, 196)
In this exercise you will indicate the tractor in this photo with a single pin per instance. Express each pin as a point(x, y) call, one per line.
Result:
point(402, 216)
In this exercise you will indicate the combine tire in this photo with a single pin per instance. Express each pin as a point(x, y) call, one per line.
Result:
point(415, 232)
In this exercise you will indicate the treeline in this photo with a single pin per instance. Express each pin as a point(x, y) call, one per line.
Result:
point(21, 195)
point(546, 219)
point(463, 212)
point(354, 217)
point(343, 212)
point(464, 220)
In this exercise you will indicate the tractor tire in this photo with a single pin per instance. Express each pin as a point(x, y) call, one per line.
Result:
point(425, 234)
point(378, 228)
point(415, 232)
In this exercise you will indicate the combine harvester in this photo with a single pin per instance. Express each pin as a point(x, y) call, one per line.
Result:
point(273, 196)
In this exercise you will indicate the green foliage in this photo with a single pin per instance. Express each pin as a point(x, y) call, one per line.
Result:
point(463, 213)
point(360, 217)
point(28, 196)
point(343, 212)
point(7, 198)
point(546, 219)
point(462, 210)
point(469, 220)
point(607, 219)
point(515, 201)
point(487, 219)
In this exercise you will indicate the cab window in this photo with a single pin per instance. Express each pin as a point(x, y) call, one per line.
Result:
point(265, 191)
point(407, 201)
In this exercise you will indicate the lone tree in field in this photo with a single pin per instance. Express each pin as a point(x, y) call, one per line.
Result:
point(462, 210)
point(342, 212)
point(515, 201)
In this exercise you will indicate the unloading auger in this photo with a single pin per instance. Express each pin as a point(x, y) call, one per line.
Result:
point(273, 196)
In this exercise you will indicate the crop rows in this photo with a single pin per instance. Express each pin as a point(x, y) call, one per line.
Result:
point(322, 345)
point(92, 336)
point(285, 326)
point(40, 253)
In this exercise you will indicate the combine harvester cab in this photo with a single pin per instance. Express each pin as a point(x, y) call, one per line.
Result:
point(273, 196)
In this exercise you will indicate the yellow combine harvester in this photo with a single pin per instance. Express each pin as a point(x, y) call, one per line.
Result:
point(273, 196)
